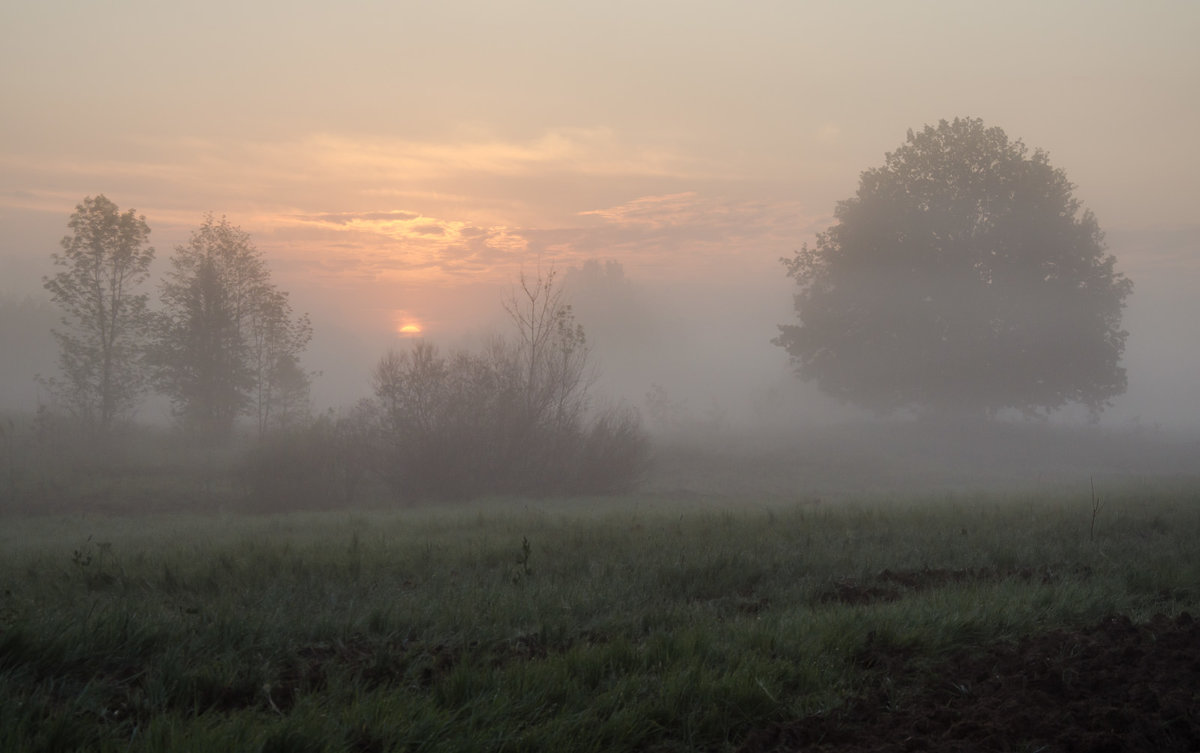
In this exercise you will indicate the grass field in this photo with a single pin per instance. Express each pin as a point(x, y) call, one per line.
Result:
point(633, 623)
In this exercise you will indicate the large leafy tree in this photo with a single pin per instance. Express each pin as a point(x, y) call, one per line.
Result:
point(103, 264)
point(227, 343)
point(965, 277)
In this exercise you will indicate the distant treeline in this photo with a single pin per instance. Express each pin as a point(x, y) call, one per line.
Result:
point(223, 345)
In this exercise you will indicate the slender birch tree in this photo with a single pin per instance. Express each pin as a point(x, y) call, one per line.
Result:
point(105, 319)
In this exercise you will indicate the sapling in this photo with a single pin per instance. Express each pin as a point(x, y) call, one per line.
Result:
point(1096, 507)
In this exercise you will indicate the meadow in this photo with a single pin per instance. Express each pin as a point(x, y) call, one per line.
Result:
point(642, 622)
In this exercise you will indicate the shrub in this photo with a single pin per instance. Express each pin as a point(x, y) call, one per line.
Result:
point(326, 463)
point(511, 418)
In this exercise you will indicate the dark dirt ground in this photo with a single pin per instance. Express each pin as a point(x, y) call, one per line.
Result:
point(1114, 687)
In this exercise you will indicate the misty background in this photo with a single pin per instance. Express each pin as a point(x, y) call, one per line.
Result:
point(402, 166)
point(706, 342)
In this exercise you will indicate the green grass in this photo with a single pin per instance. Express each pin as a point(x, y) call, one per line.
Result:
point(630, 623)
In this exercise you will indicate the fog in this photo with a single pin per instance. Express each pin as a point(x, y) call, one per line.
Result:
point(703, 336)
point(726, 409)
point(661, 159)
point(708, 344)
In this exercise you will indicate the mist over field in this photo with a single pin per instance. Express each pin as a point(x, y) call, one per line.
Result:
point(725, 409)
point(662, 162)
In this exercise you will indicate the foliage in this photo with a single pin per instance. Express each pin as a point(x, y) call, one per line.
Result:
point(964, 276)
point(281, 386)
point(510, 418)
point(325, 463)
point(105, 319)
point(43, 455)
point(227, 343)
point(444, 420)
point(614, 453)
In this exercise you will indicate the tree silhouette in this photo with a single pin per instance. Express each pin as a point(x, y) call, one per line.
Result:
point(512, 417)
point(227, 344)
point(964, 276)
point(105, 319)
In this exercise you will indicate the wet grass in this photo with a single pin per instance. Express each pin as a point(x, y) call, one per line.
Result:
point(630, 623)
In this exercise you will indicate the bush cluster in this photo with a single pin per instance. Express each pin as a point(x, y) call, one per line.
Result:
point(327, 463)
point(510, 418)
point(475, 423)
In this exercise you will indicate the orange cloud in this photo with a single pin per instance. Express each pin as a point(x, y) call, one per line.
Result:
point(348, 208)
point(652, 211)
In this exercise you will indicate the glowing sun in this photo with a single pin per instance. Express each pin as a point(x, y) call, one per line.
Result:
point(407, 325)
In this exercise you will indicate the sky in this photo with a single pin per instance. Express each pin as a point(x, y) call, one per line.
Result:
point(399, 163)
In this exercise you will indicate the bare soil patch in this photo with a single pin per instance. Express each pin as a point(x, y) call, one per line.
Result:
point(1113, 687)
point(891, 585)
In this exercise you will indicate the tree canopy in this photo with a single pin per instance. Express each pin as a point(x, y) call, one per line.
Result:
point(964, 276)
point(104, 262)
point(227, 343)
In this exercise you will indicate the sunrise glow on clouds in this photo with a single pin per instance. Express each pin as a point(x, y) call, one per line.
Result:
point(396, 209)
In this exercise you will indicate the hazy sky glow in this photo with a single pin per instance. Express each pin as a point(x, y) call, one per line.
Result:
point(398, 162)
